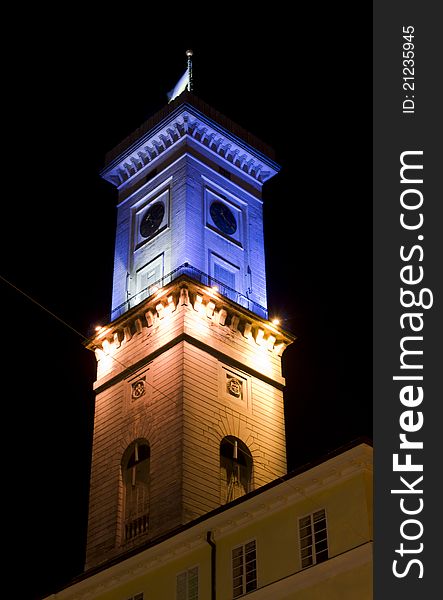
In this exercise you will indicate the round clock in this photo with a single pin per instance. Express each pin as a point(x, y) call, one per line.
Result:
point(223, 217)
point(152, 219)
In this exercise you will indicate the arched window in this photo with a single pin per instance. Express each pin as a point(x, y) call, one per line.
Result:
point(235, 469)
point(136, 484)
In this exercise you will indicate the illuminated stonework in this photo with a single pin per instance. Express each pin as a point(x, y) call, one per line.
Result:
point(212, 370)
point(189, 364)
point(206, 303)
point(199, 165)
point(189, 451)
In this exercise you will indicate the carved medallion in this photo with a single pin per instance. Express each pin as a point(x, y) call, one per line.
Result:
point(234, 386)
point(138, 389)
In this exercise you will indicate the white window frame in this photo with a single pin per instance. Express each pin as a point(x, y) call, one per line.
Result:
point(215, 259)
point(314, 553)
point(186, 572)
point(244, 582)
point(158, 261)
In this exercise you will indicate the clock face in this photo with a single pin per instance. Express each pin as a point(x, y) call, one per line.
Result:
point(152, 219)
point(223, 217)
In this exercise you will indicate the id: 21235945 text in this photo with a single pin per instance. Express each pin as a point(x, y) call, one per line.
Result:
point(408, 105)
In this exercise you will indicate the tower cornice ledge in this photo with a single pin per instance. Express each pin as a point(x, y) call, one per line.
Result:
point(203, 304)
point(189, 120)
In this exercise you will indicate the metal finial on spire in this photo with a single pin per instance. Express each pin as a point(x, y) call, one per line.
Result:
point(189, 54)
point(185, 81)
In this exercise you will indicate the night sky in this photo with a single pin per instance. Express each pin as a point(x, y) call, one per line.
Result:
point(75, 92)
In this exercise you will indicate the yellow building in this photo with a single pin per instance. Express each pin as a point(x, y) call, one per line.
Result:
point(306, 536)
point(189, 496)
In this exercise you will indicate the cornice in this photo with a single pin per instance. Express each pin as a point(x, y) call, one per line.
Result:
point(187, 123)
point(184, 293)
point(314, 576)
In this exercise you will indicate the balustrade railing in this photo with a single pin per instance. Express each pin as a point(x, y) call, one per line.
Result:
point(137, 526)
point(197, 275)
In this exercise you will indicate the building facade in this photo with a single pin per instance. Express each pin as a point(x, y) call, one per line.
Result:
point(189, 496)
point(307, 536)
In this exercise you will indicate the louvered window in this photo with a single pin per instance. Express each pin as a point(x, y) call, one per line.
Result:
point(235, 469)
point(187, 585)
point(148, 276)
point(136, 480)
point(224, 276)
point(313, 538)
point(244, 569)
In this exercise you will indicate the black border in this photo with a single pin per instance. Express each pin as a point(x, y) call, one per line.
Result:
point(395, 132)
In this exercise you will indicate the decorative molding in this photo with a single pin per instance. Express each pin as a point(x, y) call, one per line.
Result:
point(190, 126)
point(205, 302)
point(293, 585)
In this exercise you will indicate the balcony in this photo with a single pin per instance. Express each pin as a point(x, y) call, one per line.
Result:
point(199, 276)
point(136, 527)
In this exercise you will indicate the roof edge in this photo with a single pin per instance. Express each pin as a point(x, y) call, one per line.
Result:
point(359, 441)
point(203, 107)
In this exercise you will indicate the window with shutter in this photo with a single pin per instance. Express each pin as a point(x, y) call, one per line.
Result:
point(244, 569)
point(235, 469)
point(225, 279)
point(187, 585)
point(225, 276)
point(313, 538)
point(136, 479)
point(147, 276)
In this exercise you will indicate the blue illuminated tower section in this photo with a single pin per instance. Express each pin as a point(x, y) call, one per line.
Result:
point(190, 202)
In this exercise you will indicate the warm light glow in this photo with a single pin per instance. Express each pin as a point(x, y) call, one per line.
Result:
point(214, 292)
point(98, 327)
point(262, 360)
point(276, 321)
point(154, 289)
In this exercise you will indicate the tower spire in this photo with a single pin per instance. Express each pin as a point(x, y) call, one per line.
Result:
point(185, 81)
point(189, 54)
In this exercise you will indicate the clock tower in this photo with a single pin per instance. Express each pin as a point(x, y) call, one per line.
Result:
point(189, 391)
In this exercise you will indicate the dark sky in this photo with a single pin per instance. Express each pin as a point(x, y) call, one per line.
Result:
point(75, 90)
